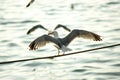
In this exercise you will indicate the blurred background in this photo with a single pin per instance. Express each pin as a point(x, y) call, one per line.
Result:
point(101, 17)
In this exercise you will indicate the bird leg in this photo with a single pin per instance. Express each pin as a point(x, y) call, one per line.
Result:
point(63, 53)
point(58, 51)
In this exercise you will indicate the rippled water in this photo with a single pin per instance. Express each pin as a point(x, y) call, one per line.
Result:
point(102, 17)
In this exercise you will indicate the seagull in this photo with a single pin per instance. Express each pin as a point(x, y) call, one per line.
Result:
point(62, 43)
point(30, 3)
point(40, 26)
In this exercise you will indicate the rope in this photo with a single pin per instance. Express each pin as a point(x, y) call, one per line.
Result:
point(51, 57)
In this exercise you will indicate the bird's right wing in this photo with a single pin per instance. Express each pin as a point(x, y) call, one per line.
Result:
point(62, 26)
point(36, 27)
point(89, 35)
point(42, 41)
point(81, 34)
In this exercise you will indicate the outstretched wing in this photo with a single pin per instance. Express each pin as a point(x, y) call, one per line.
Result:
point(42, 41)
point(89, 35)
point(30, 3)
point(64, 27)
point(82, 34)
point(36, 27)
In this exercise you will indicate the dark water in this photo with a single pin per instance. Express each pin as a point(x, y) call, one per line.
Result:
point(102, 17)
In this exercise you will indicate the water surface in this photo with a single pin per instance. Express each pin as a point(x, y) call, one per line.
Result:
point(101, 17)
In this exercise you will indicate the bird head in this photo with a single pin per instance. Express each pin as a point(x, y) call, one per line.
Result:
point(54, 33)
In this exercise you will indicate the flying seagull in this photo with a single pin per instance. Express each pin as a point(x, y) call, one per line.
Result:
point(30, 3)
point(62, 43)
point(40, 26)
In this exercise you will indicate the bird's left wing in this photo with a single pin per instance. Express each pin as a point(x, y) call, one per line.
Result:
point(36, 27)
point(42, 41)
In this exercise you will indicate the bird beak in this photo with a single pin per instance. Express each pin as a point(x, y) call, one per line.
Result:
point(50, 33)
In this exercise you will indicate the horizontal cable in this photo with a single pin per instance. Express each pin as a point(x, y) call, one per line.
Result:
point(51, 57)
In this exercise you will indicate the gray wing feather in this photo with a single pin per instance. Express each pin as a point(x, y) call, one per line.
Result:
point(36, 27)
point(89, 35)
point(82, 34)
point(62, 26)
point(42, 41)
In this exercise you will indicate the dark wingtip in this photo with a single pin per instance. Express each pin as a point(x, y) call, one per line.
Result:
point(97, 37)
point(27, 5)
point(32, 46)
point(28, 32)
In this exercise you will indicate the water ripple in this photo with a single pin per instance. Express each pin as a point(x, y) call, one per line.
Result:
point(113, 3)
point(105, 73)
point(18, 22)
point(12, 44)
point(95, 15)
point(117, 65)
point(98, 61)
point(37, 64)
point(79, 70)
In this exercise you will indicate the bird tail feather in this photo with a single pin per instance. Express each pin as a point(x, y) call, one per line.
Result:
point(65, 49)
